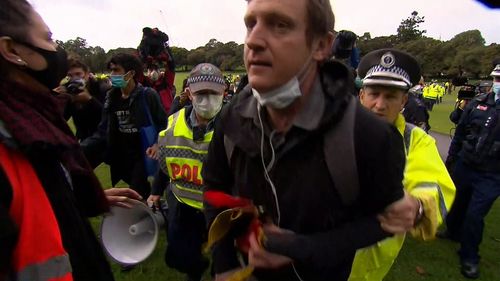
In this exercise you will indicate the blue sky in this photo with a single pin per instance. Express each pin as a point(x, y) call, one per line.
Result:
point(192, 23)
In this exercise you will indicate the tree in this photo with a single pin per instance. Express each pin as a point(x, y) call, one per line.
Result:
point(196, 56)
point(181, 57)
point(365, 37)
point(470, 61)
point(376, 43)
point(97, 59)
point(408, 29)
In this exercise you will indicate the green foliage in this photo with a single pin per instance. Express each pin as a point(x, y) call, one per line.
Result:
point(465, 54)
point(408, 29)
point(366, 46)
point(180, 56)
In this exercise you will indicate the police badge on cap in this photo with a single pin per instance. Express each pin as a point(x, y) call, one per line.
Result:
point(206, 76)
point(389, 67)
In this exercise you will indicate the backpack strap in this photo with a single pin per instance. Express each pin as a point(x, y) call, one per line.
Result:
point(229, 147)
point(340, 155)
point(341, 162)
point(145, 106)
point(407, 136)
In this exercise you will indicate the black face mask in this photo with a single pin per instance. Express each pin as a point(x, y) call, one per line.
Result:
point(57, 66)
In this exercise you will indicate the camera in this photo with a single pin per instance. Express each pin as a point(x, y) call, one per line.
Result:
point(75, 86)
point(467, 92)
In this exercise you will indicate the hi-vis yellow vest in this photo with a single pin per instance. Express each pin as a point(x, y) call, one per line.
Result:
point(182, 158)
point(425, 178)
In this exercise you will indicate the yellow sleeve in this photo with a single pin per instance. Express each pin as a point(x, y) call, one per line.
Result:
point(427, 178)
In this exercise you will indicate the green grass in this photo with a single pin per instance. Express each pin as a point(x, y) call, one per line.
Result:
point(439, 116)
point(436, 260)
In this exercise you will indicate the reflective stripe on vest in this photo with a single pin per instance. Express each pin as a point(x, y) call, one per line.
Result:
point(182, 158)
point(56, 268)
point(407, 136)
point(39, 253)
point(407, 141)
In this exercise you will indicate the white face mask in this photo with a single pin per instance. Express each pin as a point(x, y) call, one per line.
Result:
point(280, 97)
point(496, 88)
point(207, 106)
point(284, 95)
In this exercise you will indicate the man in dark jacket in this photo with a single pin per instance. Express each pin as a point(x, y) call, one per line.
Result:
point(271, 147)
point(124, 114)
point(474, 154)
point(85, 96)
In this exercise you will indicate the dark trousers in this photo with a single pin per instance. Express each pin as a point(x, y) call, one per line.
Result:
point(485, 190)
point(429, 103)
point(186, 233)
point(455, 218)
point(134, 174)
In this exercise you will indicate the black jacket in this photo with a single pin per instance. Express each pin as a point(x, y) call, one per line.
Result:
point(327, 233)
point(416, 113)
point(104, 140)
point(87, 117)
point(477, 137)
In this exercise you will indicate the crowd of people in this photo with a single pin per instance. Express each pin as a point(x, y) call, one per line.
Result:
point(314, 165)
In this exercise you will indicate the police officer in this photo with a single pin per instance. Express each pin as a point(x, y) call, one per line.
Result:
point(476, 150)
point(183, 147)
point(415, 112)
point(388, 74)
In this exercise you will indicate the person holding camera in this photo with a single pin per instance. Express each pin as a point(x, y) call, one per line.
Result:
point(86, 96)
point(475, 154)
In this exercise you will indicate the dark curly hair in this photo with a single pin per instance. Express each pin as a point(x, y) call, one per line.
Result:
point(128, 62)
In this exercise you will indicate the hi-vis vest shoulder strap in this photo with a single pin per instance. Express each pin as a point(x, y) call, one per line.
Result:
point(341, 162)
point(182, 158)
point(39, 254)
point(407, 136)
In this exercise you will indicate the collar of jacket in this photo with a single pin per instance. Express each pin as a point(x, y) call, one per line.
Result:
point(400, 124)
point(239, 124)
point(115, 93)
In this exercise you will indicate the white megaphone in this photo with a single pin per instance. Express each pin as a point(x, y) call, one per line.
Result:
point(129, 235)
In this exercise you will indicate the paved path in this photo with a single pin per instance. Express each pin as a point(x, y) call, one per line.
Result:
point(442, 142)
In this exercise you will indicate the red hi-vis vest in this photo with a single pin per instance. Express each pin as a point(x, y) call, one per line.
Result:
point(39, 254)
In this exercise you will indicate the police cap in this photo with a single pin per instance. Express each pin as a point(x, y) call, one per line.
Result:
point(389, 67)
point(496, 67)
point(485, 83)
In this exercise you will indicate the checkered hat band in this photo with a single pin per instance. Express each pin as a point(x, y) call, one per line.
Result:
point(496, 71)
point(393, 72)
point(206, 78)
point(383, 82)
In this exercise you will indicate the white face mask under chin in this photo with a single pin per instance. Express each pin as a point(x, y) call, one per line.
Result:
point(207, 106)
point(281, 97)
point(286, 94)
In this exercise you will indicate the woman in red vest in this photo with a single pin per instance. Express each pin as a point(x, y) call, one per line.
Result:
point(47, 188)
